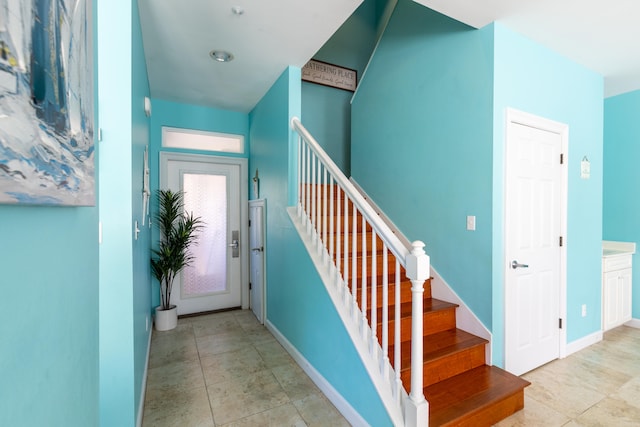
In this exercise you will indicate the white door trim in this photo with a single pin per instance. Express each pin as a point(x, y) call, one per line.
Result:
point(166, 156)
point(562, 129)
point(263, 204)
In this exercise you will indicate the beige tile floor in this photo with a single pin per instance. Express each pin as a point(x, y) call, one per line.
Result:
point(598, 386)
point(226, 369)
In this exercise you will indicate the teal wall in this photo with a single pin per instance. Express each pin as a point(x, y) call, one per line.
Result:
point(429, 117)
point(531, 78)
point(49, 357)
point(186, 116)
point(621, 206)
point(422, 123)
point(327, 110)
point(124, 262)
point(116, 257)
point(297, 303)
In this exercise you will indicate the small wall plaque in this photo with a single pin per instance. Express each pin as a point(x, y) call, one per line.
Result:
point(330, 75)
point(585, 168)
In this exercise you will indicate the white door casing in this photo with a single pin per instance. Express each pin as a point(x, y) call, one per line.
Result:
point(231, 289)
point(256, 257)
point(535, 223)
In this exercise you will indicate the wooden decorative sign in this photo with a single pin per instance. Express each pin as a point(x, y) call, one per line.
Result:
point(330, 75)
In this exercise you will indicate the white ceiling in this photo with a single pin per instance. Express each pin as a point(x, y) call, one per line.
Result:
point(270, 35)
point(600, 35)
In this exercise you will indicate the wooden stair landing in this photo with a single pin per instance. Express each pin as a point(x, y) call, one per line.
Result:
point(479, 397)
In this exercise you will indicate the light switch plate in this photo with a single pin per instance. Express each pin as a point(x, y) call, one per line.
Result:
point(471, 222)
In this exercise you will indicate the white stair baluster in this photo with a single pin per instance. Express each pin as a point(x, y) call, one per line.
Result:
point(324, 213)
point(363, 252)
point(385, 311)
point(299, 176)
point(339, 234)
point(354, 263)
point(314, 201)
point(346, 244)
point(374, 294)
point(396, 335)
point(331, 224)
point(308, 185)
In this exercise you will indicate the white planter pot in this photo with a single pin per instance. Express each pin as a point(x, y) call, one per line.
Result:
point(166, 319)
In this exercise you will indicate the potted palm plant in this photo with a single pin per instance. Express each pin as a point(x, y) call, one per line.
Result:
point(178, 231)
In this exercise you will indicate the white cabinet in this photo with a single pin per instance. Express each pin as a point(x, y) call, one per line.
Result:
point(616, 290)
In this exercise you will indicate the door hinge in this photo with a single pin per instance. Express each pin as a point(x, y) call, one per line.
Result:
point(560, 323)
point(249, 285)
point(562, 158)
point(249, 223)
point(561, 242)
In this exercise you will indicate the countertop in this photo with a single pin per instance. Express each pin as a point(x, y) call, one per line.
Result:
point(611, 248)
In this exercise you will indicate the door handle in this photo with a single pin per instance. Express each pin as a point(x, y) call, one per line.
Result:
point(235, 243)
point(260, 249)
point(515, 264)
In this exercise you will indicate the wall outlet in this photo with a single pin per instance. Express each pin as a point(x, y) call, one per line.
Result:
point(584, 310)
point(147, 323)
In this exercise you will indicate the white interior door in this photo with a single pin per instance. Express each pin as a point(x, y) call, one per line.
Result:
point(212, 190)
point(533, 252)
point(256, 245)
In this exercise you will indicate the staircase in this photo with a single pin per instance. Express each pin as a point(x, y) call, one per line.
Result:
point(354, 252)
point(460, 388)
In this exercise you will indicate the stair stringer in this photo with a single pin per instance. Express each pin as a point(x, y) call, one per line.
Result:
point(440, 289)
point(381, 372)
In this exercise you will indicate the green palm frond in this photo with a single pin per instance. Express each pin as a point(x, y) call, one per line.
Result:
point(178, 231)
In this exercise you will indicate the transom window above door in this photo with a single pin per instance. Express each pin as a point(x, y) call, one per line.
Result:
point(191, 139)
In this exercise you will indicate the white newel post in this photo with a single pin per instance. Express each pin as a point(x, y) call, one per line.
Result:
point(416, 406)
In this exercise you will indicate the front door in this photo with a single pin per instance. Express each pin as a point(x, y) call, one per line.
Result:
point(533, 246)
point(212, 190)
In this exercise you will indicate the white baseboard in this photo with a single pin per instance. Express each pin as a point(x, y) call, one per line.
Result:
point(634, 323)
point(347, 411)
point(583, 343)
point(143, 390)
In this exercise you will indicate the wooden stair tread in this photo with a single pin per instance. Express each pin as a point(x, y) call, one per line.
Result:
point(453, 399)
point(441, 344)
point(405, 285)
point(429, 305)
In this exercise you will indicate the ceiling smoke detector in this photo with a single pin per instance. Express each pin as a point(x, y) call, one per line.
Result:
point(221, 55)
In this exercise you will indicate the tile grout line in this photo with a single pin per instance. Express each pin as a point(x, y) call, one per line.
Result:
point(204, 378)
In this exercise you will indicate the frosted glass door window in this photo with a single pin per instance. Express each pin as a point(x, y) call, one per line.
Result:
point(206, 196)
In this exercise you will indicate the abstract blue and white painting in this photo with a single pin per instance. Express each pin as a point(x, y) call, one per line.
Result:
point(46, 102)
